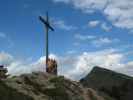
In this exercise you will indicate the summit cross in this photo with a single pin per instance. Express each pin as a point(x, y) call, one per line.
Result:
point(47, 28)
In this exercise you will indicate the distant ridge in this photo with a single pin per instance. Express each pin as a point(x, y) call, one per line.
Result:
point(117, 86)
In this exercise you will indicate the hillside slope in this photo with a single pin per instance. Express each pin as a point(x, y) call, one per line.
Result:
point(107, 82)
point(42, 86)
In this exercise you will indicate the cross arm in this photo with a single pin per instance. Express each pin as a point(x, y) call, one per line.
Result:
point(46, 23)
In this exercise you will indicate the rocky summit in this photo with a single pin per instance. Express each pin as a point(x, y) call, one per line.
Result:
point(110, 85)
point(99, 84)
point(43, 86)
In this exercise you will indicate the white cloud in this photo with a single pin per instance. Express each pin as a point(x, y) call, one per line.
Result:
point(74, 67)
point(65, 1)
point(6, 40)
point(95, 40)
point(102, 25)
point(119, 12)
point(76, 43)
point(71, 52)
point(105, 27)
point(62, 25)
point(93, 23)
point(103, 41)
point(84, 37)
point(2, 35)
point(5, 58)
point(127, 69)
point(80, 65)
point(87, 5)
point(18, 67)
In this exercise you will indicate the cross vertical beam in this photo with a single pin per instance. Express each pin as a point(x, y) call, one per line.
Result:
point(47, 42)
point(47, 27)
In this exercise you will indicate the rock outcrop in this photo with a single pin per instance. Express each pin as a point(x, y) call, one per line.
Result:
point(42, 86)
point(109, 84)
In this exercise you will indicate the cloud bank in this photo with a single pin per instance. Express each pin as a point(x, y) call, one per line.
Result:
point(119, 12)
point(74, 67)
point(95, 41)
point(61, 24)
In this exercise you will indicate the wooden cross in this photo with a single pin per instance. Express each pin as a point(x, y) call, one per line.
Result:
point(47, 27)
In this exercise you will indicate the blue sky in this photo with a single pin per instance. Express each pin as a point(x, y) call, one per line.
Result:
point(80, 26)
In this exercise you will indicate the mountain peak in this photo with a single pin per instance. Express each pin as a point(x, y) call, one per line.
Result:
point(43, 86)
point(113, 84)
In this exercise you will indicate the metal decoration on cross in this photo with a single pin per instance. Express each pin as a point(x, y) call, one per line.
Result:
point(47, 28)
